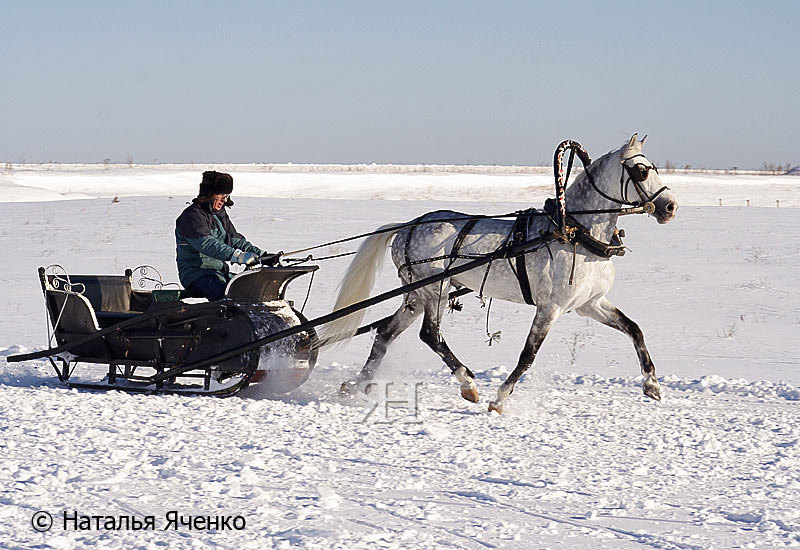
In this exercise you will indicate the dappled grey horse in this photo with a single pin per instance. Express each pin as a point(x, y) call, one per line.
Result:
point(560, 275)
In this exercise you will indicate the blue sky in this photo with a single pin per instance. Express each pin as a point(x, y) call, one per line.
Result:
point(714, 84)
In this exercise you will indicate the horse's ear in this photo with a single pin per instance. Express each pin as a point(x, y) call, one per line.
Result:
point(644, 138)
point(632, 141)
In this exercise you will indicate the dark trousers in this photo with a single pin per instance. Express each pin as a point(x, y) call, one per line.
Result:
point(208, 286)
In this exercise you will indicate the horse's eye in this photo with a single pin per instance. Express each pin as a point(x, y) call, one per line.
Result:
point(640, 172)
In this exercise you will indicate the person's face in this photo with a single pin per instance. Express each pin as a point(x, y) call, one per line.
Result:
point(218, 201)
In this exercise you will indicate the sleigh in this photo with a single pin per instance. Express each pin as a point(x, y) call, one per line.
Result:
point(143, 336)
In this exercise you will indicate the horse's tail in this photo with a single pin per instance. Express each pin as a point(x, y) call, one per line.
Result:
point(357, 284)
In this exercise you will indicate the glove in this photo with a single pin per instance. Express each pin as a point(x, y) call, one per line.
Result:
point(246, 258)
point(271, 260)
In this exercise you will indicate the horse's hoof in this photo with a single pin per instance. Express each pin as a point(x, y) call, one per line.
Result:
point(496, 407)
point(652, 390)
point(470, 393)
point(348, 389)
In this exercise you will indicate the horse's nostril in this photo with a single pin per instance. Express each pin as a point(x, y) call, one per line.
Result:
point(671, 207)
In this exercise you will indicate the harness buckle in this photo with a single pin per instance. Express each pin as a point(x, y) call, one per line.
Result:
point(569, 235)
point(616, 238)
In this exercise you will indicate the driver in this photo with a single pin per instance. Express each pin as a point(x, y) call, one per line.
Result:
point(206, 239)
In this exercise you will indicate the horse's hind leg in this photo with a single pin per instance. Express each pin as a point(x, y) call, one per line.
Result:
point(429, 333)
point(544, 319)
point(604, 312)
point(385, 335)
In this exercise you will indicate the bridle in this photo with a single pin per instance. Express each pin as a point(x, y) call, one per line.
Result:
point(637, 174)
point(568, 229)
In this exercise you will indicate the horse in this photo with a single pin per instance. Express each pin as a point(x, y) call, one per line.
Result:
point(559, 275)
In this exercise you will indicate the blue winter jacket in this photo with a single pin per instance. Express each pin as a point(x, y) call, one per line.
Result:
point(205, 241)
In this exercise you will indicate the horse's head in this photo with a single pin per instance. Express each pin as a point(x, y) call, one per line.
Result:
point(641, 175)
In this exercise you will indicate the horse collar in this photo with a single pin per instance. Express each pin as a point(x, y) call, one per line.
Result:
point(578, 233)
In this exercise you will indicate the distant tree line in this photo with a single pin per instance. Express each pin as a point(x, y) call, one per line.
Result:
point(775, 168)
point(766, 167)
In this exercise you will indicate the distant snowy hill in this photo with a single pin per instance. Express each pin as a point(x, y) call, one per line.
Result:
point(33, 183)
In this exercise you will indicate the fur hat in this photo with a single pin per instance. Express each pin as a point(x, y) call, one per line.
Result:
point(215, 183)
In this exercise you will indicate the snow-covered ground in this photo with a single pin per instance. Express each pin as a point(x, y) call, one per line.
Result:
point(580, 459)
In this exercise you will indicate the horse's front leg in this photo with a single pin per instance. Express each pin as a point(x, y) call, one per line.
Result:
point(604, 311)
point(544, 319)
